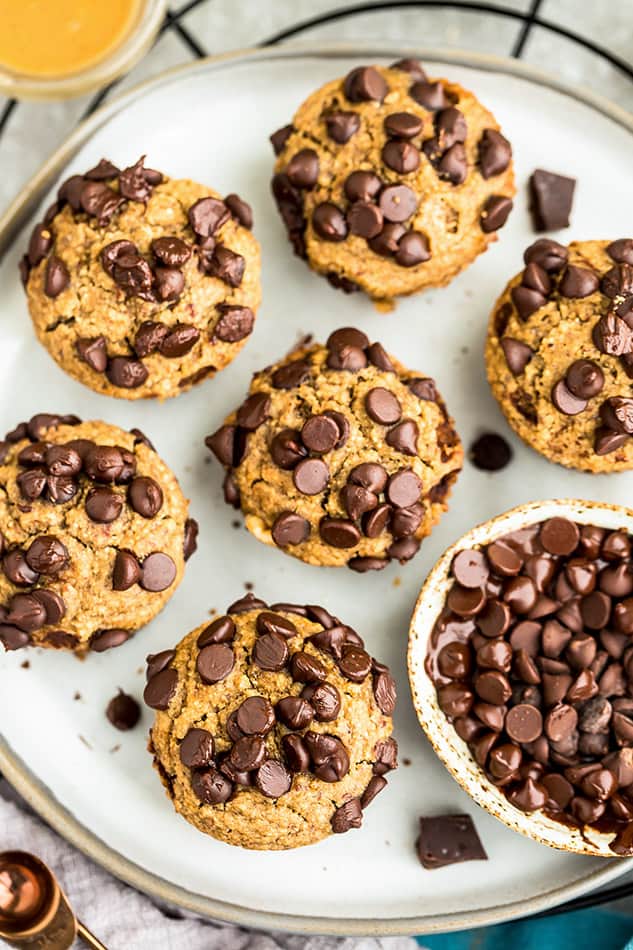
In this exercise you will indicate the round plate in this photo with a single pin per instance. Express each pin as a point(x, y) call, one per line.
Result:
point(210, 122)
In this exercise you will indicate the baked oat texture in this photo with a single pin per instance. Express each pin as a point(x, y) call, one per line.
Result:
point(329, 751)
point(559, 353)
point(340, 455)
point(94, 534)
point(139, 285)
point(390, 182)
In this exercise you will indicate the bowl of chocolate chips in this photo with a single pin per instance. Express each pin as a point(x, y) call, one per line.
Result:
point(521, 670)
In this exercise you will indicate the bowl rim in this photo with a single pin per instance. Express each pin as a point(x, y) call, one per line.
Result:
point(452, 751)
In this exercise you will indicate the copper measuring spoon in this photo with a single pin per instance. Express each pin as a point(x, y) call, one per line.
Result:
point(34, 911)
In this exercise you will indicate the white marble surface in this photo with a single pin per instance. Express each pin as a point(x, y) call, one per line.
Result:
point(35, 129)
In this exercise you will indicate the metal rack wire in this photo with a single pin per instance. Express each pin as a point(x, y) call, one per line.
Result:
point(527, 22)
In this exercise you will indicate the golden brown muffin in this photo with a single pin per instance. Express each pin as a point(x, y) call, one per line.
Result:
point(94, 534)
point(340, 455)
point(390, 182)
point(140, 285)
point(559, 353)
point(273, 725)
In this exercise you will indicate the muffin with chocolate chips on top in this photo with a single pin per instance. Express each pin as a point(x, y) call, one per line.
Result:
point(390, 182)
point(273, 725)
point(559, 353)
point(339, 455)
point(140, 285)
point(94, 534)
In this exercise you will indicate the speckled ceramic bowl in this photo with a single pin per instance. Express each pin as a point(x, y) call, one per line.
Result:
point(452, 750)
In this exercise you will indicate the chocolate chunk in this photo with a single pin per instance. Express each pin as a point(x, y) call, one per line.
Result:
point(448, 839)
point(347, 816)
point(123, 711)
point(169, 283)
point(551, 199)
point(93, 352)
point(207, 215)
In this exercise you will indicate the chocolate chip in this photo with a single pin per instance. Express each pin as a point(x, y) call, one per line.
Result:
point(621, 251)
point(99, 201)
point(376, 784)
point(330, 761)
point(551, 199)
point(304, 668)
point(57, 277)
point(320, 434)
point(495, 213)
point(294, 712)
point(578, 282)
point(197, 749)
point(161, 689)
point(40, 243)
point(126, 571)
point(397, 203)
point(280, 137)
point(234, 324)
point(382, 406)
point(296, 753)
point(207, 215)
point(240, 210)
point(431, 95)
point(171, 251)
point(169, 283)
point(403, 488)
point(565, 401)
point(287, 449)
point(108, 639)
point(47, 555)
point(453, 167)
point(413, 249)
point(303, 168)
point(341, 126)
point(123, 711)
point(347, 816)
point(362, 186)
point(618, 282)
point(253, 412)
point(221, 630)
point(273, 779)
point(255, 716)
point(290, 375)
point(613, 336)
point(329, 222)
point(311, 476)
point(339, 533)
point(145, 496)
point(126, 373)
point(495, 153)
point(211, 787)
point(270, 652)
point(364, 219)
point(215, 662)
point(559, 536)
point(159, 572)
point(290, 528)
point(548, 254)
point(401, 156)
point(103, 505)
point(93, 352)
point(584, 379)
point(378, 356)
point(365, 84)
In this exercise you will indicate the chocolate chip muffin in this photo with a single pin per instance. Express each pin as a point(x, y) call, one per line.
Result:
point(532, 658)
point(340, 455)
point(140, 285)
point(390, 182)
point(273, 725)
point(560, 353)
point(94, 534)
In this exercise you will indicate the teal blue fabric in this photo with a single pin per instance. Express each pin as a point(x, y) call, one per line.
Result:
point(582, 930)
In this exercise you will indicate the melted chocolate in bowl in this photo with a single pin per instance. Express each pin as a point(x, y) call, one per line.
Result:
point(532, 660)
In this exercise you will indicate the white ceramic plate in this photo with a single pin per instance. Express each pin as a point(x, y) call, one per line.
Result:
point(210, 122)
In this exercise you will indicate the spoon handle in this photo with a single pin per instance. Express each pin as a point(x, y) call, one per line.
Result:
point(89, 938)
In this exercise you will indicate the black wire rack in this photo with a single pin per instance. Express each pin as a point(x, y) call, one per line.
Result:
point(528, 22)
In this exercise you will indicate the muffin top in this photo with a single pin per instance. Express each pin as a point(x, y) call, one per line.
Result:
point(340, 455)
point(389, 181)
point(94, 534)
point(560, 352)
point(273, 725)
point(140, 285)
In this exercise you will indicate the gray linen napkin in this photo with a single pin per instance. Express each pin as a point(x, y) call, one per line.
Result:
point(126, 920)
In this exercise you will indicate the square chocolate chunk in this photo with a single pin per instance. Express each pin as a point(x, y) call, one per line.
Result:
point(448, 839)
point(551, 198)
